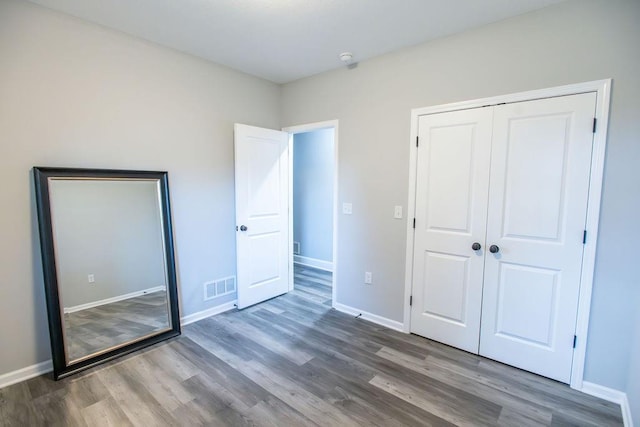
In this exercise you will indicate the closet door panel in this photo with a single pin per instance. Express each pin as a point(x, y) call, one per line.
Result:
point(540, 166)
point(451, 208)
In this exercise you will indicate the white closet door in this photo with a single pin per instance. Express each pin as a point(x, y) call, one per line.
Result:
point(451, 213)
point(540, 166)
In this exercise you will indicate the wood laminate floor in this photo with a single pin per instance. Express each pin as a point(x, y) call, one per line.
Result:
point(294, 361)
point(98, 328)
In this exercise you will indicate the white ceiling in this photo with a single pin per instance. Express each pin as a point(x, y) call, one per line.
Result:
point(284, 40)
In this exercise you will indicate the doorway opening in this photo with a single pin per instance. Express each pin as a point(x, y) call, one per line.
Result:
point(313, 207)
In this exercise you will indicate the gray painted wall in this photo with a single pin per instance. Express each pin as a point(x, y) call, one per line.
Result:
point(571, 42)
point(78, 95)
point(313, 193)
point(110, 229)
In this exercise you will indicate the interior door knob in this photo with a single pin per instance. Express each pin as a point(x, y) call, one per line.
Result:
point(476, 246)
point(243, 228)
point(494, 249)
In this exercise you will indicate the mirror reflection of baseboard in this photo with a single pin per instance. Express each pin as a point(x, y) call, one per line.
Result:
point(111, 300)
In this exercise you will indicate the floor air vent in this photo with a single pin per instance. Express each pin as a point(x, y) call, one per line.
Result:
point(220, 287)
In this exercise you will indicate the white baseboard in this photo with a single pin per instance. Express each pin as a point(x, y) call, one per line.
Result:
point(313, 262)
point(383, 321)
point(611, 395)
point(98, 303)
point(24, 374)
point(208, 312)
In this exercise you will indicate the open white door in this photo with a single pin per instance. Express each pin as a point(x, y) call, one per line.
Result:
point(262, 205)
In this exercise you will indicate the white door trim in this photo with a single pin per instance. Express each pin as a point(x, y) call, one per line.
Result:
point(602, 88)
point(292, 130)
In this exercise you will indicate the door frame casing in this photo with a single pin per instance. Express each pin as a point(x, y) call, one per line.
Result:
point(310, 127)
point(602, 88)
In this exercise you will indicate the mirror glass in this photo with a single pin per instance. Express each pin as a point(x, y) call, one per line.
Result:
point(108, 263)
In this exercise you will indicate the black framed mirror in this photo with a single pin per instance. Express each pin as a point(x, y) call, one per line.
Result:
point(108, 260)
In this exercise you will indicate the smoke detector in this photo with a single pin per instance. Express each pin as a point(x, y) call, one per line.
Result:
point(346, 57)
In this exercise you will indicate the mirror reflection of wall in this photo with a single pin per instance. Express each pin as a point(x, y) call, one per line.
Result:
point(110, 261)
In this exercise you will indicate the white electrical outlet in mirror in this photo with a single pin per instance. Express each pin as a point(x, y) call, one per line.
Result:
point(347, 208)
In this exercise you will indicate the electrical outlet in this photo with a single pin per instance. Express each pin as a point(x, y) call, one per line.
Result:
point(91, 278)
point(347, 208)
point(367, 277)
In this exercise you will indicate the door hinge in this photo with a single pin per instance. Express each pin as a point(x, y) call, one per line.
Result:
point(410, 300)
point(584, 237)
point(595, 121)
point(575, 340)
point(414, 223)
point(417, 140)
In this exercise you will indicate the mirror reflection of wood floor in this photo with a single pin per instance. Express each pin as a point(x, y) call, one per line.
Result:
point(294, 361)
point(98, 328)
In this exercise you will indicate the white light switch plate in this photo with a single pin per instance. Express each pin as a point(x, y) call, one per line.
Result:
point(397, 212)
point(347, 208)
